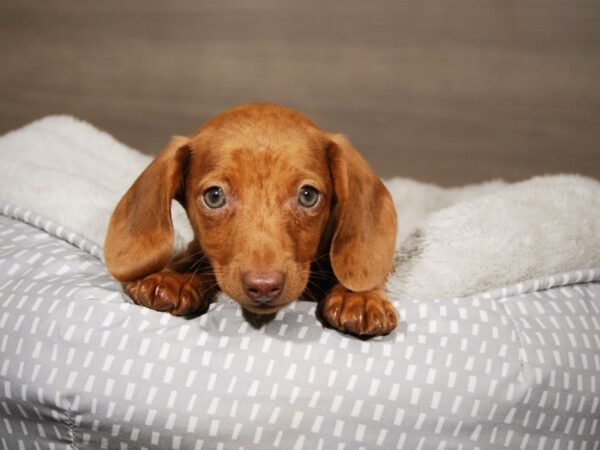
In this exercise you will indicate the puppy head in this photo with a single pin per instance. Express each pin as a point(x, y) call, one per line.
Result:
point(266, 193)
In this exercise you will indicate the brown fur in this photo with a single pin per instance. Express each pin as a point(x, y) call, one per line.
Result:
point(260, 154)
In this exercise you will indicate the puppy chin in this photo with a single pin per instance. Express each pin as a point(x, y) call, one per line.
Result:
point(262, 311)
point(258, 320)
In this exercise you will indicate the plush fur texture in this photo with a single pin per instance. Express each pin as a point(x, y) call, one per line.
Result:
point(69, 171)
point(542, 226)
point(451, 242)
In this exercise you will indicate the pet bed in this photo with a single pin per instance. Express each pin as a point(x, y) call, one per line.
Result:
point(515, 366)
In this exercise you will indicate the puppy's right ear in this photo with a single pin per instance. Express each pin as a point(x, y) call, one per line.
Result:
point(139, 240)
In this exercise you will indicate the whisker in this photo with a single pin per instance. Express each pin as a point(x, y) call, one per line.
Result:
point(209, 288)
point(310, 294)
point(197, 264)
point(316, 258)
point(320, 276)
point(311, 285)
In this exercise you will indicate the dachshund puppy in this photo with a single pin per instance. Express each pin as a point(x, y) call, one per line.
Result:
point(280, 210)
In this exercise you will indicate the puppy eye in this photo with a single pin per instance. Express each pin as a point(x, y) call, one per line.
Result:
point(308, 196)
point(214, 197)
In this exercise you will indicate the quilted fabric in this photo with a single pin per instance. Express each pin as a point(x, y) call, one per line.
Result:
point(82, 367)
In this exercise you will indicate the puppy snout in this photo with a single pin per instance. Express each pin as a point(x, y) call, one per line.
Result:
point(263, 287)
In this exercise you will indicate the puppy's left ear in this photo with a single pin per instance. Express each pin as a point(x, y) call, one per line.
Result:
point(363, 243)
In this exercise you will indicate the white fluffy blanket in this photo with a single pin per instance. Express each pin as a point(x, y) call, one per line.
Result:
point(451, 242)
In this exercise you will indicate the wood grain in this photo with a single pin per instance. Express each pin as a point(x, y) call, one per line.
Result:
point(446, 92)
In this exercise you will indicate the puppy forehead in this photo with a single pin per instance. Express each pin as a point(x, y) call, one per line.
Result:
point(277, 159)
point(259, 142)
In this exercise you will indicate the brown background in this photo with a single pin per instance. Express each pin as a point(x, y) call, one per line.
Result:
point(443, 91)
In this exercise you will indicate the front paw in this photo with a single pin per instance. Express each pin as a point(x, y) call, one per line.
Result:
point(174, 292)
point(365, 314)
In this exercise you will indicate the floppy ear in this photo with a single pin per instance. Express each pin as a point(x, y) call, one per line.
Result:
point(362, 247)
point(139, 240)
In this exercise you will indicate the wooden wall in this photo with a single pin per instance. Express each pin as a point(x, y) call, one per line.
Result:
point(443, 91)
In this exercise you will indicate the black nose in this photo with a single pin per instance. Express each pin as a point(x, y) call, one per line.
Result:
point(263, 287)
